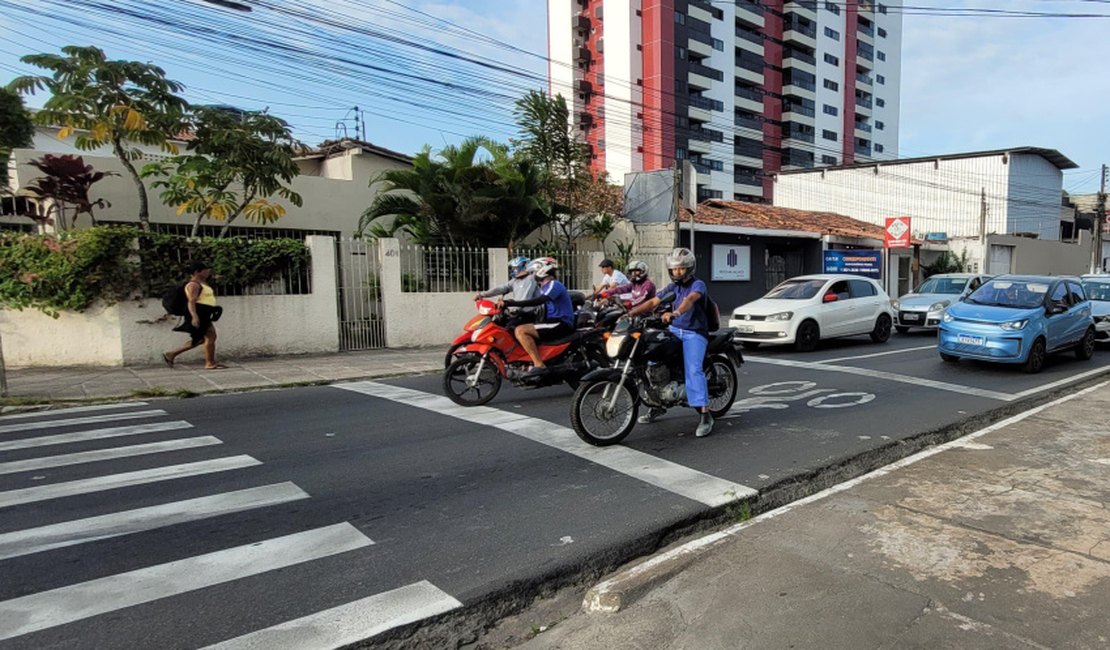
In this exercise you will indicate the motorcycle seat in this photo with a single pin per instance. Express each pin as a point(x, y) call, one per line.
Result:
point(569, 338)
point(720, 339)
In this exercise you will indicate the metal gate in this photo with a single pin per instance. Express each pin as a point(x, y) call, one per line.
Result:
point(358, 275)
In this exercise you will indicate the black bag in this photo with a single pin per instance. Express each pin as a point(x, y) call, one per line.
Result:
point(712, 314)
point(174, 301)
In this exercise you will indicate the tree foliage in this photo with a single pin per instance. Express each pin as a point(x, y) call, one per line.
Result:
point(64, 187)
point(236, 163)
point(107, 103)
point(16, 130)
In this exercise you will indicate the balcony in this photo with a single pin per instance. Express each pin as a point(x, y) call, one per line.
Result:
point(863, 102)
point(865, 51)
point(796, 108)
point(707, 194)
point(864, 79)
point(794, 131)
point(866, 30)
point(798, 25)
point(751, 180)
point(705, 71)
point(584, 87)
point(750, 10)
point(705, 135)
point(799, 55)
point(862, 150)
point(748, 122)
point(584, 55)
point(863, 126)
point(585, 119)
point(751, 37)
point(706, 103)
point(799, 79)
point(582, 23)
point(752, 64)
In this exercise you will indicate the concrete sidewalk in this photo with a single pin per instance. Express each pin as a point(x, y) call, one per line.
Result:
point(189, 375)
point(997, 540)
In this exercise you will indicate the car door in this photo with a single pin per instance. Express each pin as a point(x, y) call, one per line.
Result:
point(834, 317)
point(1080, 310)
point(1060, 320)
point(865, 306)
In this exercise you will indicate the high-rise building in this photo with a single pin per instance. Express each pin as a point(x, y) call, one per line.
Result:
point(740, 88)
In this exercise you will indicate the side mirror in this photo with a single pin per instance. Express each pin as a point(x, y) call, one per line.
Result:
point(830, 297)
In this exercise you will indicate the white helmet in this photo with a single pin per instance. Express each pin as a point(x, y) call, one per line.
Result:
point(638, 271)
point(682, 258)
point(546, 266)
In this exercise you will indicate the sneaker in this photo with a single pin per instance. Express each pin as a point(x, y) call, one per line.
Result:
point(651, 416)
point(705, 427)
point(536, 371)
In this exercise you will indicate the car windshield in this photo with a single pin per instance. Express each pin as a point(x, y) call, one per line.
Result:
point(1097, 289)
point(943, 285)
point(796, 290)
point(1010, 293)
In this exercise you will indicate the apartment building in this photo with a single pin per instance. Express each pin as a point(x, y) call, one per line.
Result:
point(741, 88)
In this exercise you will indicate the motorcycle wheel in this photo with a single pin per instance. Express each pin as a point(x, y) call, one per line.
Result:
point(591, 417)
point(458, 374)
point(721, 377)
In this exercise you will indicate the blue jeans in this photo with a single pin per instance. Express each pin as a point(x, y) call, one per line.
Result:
point(693, 357)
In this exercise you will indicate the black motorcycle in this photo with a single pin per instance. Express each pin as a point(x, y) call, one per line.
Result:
point(647, 368)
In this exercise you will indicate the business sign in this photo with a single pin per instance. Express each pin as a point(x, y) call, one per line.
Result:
point(731, 263)
point(869, 264)
point(897, 232)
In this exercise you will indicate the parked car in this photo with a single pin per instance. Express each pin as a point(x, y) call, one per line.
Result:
point(1019, 319)
point(808, 308)
point(1098, 292)
point(924, 306)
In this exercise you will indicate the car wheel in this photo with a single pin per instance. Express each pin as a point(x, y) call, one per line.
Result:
point(809, 334)
point(750, 345)
point(1086, 348)
point(881, 332)
point(950, 358)
point(902, 329)
point(1035, 361)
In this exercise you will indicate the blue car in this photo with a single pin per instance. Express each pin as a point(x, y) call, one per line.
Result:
point(1019, 319)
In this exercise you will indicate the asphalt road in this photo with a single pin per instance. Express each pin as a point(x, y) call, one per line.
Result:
point(352, 509)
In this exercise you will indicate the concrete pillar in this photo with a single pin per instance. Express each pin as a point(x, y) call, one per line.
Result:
point(389, 253)
point(498, 266)
point(325, 287)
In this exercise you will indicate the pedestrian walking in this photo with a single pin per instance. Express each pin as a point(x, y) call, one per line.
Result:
point(200, 313)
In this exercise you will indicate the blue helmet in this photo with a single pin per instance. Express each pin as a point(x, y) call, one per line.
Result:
point(519, 264)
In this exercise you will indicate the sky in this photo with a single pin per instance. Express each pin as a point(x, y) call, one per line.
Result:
point(431, 72)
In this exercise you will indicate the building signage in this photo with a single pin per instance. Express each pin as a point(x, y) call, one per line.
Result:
point(731, 263)
point(897, 233)
point(869, 264)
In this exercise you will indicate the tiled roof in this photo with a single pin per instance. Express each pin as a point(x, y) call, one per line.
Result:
point(760, 215)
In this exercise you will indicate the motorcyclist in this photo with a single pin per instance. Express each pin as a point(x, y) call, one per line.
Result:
point(522, 285)
point(689, 322)
point(639, 287)
point(558, 318)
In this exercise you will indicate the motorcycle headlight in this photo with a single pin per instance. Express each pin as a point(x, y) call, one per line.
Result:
point(948, 318)
point(613, 345)
point(782, 315)
point(937, 306)
point(1014, 325)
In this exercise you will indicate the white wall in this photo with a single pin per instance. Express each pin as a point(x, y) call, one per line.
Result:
point(891, 91)
point(620, 110)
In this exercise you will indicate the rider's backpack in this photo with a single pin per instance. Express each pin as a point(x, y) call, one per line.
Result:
point(712, 314)
point(174, 301)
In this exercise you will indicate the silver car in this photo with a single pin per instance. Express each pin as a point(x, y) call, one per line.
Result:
point(924, 306)
point(1097, 288)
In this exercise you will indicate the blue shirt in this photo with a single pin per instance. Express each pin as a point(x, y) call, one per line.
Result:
point(558, 307)
point(694, 320)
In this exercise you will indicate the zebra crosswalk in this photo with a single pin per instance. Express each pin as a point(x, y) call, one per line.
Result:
point(51, 469)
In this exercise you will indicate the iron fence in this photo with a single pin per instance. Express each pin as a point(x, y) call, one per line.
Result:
point(358, 281)
point(577, 271)
point(444, 269)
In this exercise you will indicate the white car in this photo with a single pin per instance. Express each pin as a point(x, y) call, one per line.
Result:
point(808, 308)
point(924, 306)
point(1097, 287)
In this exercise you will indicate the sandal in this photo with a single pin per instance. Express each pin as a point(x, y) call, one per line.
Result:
point(218, 366)
point(167, 359)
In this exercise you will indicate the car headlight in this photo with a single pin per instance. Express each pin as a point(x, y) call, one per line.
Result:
point(937, 306)
point(948, 318)
point(1014, 325)
point(782, 315)
point(897, 305)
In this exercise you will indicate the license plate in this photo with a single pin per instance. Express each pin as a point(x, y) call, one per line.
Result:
point(911, 316)
point(971, 340)
point(745, 329)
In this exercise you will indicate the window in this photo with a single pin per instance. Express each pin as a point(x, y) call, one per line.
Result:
point(680, 153)
point(832, 33)
point(830, 110)
point(878, 148)
point(862, 289)
point(828, 160)
point(833, 7)
point(882, 33)
point(839, 289)
point(718, 45)
point(828, 135)
point(880, 102)
point(680, 18)
point(680, 52)
point(880, 78)
point(880, 55)
point(1059, 295)
point(832, 85)
point(880, 126)
point(831, 59)
point(882, 8)
point(1076, 293)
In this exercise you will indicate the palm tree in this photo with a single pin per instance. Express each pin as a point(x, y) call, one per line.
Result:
point(114, 103)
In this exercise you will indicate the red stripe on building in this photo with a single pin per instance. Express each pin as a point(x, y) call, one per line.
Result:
point(658, 83)
point(851, 54)
point(772, 98)
point(595, 135)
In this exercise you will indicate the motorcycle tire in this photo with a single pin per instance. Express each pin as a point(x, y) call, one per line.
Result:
point(588, 414)
point(456, 375)
point(721, 375)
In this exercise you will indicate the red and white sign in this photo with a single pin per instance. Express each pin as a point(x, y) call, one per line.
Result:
point(897, 233)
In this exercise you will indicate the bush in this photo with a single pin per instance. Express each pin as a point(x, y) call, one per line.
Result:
point(70, 271)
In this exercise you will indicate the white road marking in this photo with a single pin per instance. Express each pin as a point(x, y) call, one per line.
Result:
point(116, 524)
point(89, 419)
point(889, 376)
point(1061, 382)
point(47, 609)
point(113, 481)
point(595, 603)
point(669, 476)
point(107, 454)
point(93, 434)
point(350, 623)
point(74, 409)
point(877, 354)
